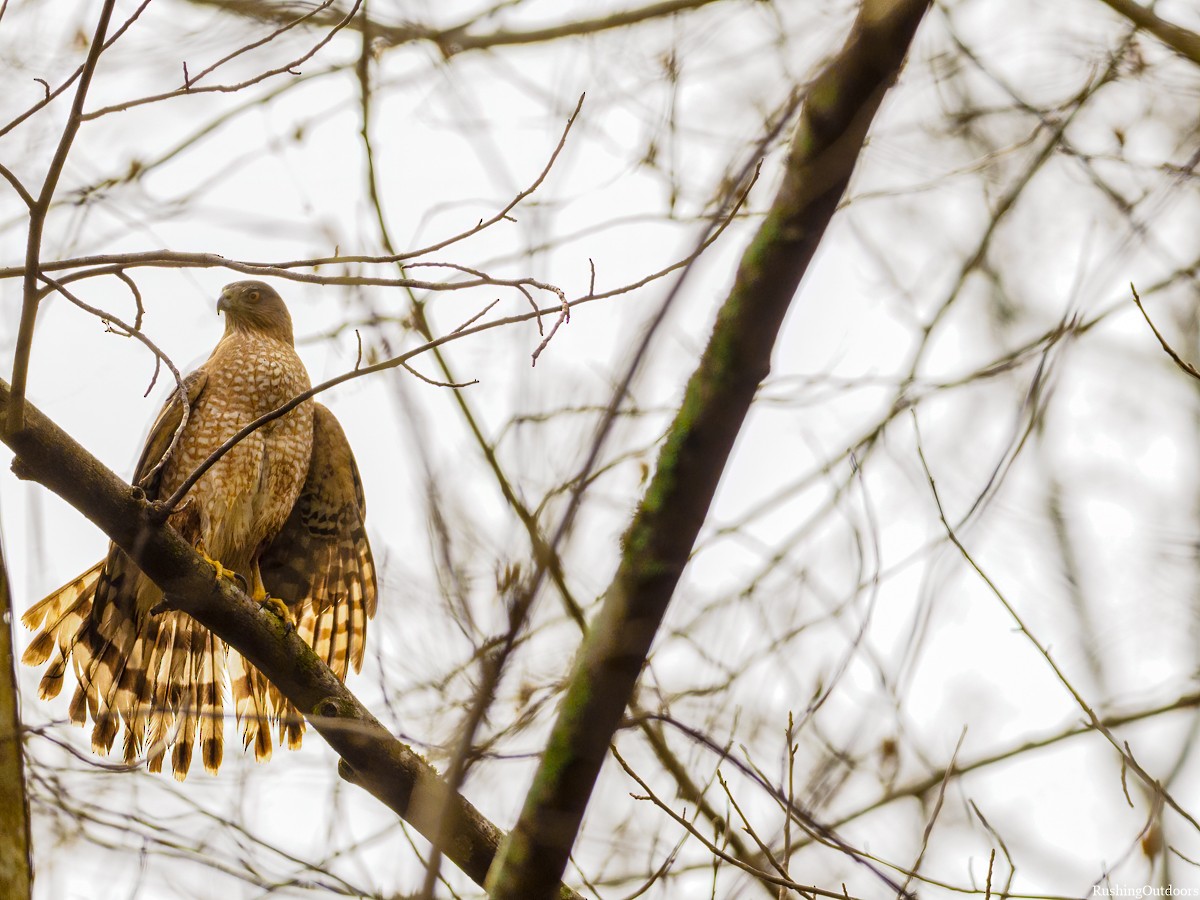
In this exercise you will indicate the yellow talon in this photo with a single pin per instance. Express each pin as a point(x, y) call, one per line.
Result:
point(271, 604)
point(222, 572)
point(277, 606)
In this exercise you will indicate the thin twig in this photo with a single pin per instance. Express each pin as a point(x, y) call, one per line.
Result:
point(564, 316)
point(167, 259)
point(190, 80)
point(51, 94)
point(516, 201)
point(1176, 358)
point(137, 299)
point(1097, 723)
point(160, 358)
point(475, 318)
point(749, 829)
point(713, 848)
point(37, 222)
point(937, 809)
point(17, 186)
point(435, 382)
point(288, 68)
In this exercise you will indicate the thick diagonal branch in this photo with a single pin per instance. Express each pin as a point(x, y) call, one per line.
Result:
point(16, 868)
point(838, 110)
point(1185, 43)
point(371, 757)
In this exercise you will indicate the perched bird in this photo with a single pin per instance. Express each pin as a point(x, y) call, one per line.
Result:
point(283, 509)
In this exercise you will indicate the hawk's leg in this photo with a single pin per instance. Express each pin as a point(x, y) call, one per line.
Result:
point(222, 572)
point(272, 604)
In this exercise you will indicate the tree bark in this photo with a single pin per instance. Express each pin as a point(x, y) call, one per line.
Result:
point(16, 868)
point(838, 110)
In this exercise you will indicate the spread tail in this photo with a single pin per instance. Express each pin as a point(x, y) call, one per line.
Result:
point(159, 679)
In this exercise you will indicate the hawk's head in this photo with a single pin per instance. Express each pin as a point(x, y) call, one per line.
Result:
point(255, 306)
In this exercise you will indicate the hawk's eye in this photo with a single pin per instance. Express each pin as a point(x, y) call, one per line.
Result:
point(252, 296)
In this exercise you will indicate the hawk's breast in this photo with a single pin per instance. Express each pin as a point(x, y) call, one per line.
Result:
point(244, 499)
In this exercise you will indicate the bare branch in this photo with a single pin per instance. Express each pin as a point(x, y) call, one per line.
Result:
point(110, 264)
point(134, 331)
point(769, 877)
point(37, 222)
point(841, 104)
point(17, 186)
point(51, 94)
point(187, 89)
point(1152, 784)
point(189, 81)
point(1187, 367)
point(458, 39)
point(1185, 43)
point(16, 861)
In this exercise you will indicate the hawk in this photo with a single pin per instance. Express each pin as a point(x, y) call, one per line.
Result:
point(283, 509)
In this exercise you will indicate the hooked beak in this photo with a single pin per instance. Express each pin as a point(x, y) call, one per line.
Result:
point(223, 304)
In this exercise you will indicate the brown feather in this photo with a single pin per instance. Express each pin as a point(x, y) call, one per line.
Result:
point(321, 561)
point(212, 686)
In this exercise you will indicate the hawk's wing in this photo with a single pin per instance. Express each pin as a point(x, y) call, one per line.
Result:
point(163, 430)
point(320, 563)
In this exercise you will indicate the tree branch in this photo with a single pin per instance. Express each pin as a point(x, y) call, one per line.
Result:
point(371, 757)
point(51, 95)
point(839, 108)
point(37, 222)
point(16, 185)
point(458, 38)
point(16, 867)
point(1185, 43)
point(288, 68)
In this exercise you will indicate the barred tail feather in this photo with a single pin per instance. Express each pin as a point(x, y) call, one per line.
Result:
point(338, 655)
point(212, 705)
point(135, 687)
point(262, 742)
point(104, 647)
point(59, 616)
point(194, 695)
point(185, 735)
point(366, 580)
point(338, 611)
point(359, 613)
point(48, 612)
point(357, 572)
point(351, 598)
point(252, 705)
point(171, 654)
point(337, 595)
point(157, 678)
point(329, 638)
point(291, 723)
